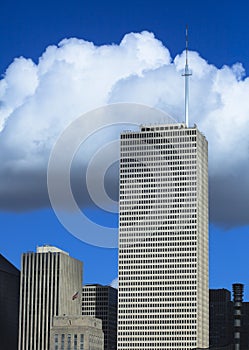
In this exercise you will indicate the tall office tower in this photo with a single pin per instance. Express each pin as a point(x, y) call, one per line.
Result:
point(9, 304)
point(220, 318)
point(101, 302)
point(50, 286)
point(163, 293)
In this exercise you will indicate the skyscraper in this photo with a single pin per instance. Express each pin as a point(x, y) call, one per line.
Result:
point(163, 239)
point(101, 302)
point(9, 304)
point(50, 286)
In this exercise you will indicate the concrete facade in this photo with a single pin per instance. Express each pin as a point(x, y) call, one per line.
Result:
point(9, 304)
point(76, 333)
point(163, 300)
point(101, 302)
point(50, 286)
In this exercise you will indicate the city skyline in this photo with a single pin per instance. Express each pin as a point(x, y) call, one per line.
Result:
point(21, 35)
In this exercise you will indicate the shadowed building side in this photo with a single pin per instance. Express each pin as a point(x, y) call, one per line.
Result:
point(9, 304)
point(101, 302)
point(220, 318)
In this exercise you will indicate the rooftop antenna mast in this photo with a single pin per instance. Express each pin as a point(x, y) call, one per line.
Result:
point(186, 75)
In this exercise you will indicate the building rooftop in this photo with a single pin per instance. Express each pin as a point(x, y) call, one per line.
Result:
point(49, 249)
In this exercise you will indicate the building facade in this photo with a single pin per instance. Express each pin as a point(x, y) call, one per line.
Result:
point(101, 302)
point(240, 318)
point(50, 286)
point(76, 333)
point(229, 320)
point(220, 318)
point(9, 304)
point(163, 300)
point(245, 327)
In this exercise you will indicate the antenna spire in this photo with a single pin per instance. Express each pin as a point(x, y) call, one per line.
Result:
point(186, 44)
point(186, 75)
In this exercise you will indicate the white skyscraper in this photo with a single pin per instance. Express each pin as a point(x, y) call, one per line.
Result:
point(50, 286)
point(163, 239)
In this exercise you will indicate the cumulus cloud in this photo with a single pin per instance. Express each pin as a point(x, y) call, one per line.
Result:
point(114, 283)
point(38, 101)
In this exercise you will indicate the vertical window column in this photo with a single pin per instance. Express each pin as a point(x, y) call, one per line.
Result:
point(82, 342)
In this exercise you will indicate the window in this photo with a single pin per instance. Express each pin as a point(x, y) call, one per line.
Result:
point(82, 342)
point(62, 341)
point(69, 342)
point(75, 342)
point(56, 340)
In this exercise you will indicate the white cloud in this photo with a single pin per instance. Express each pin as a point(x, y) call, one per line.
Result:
point(114, 283)
point(38, 101)
point(20, 82)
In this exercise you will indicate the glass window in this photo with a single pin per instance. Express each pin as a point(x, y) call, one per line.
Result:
point(69, 342)
point(62, 341)
point(75, 342)
point(82, 342)
point(56, 340)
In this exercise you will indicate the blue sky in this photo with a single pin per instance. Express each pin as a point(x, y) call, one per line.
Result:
point(218, 31)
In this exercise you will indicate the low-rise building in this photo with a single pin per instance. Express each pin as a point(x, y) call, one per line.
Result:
point(76, 333)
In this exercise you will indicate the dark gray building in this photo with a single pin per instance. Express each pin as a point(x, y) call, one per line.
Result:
point(240, 318)
point(228, 319)
point(101, 302)
point(9, 304)
point(238, 292)
point(245, 326)
point(220, 318)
